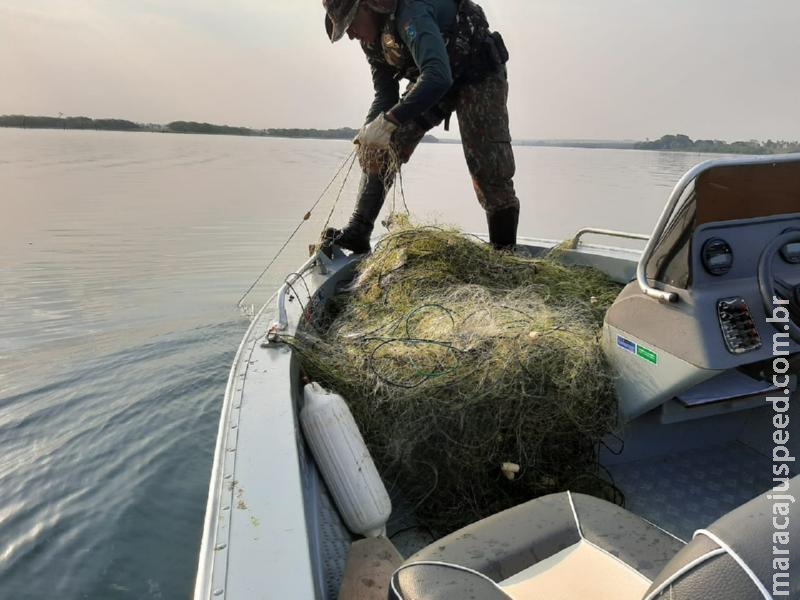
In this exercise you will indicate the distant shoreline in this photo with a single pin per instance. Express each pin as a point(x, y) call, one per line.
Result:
point(185, 127)
point(668, 143)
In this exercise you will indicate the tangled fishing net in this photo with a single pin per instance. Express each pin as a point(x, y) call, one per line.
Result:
point(476, 376)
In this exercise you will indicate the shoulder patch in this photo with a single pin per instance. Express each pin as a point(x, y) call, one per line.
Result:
point(410, 31)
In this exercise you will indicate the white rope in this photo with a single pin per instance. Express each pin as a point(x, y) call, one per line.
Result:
point(350, 158)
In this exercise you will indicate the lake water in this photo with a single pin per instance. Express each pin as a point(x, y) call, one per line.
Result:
point(122, 256)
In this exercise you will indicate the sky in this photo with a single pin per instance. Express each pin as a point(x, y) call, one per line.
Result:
point(579, 69)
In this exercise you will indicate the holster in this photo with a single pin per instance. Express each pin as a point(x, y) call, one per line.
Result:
point(496, 49)
point(441, 112)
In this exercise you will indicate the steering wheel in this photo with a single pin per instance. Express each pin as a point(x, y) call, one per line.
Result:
point(770, 286)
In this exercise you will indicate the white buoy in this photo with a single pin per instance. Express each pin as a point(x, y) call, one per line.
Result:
point(344, 461)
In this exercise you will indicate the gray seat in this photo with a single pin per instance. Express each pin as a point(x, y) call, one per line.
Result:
point(732, 559)
point(442, 581)
point(566, 546)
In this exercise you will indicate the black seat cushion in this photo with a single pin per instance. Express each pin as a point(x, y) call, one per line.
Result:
point(747, 532)
point(733, 558)
point(442, 581)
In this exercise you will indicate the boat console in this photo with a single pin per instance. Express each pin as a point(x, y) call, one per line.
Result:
point(716, 297)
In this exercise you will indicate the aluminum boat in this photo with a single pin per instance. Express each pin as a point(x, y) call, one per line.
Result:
point(705, 337)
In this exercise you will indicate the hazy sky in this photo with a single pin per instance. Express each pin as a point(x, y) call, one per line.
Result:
point(620, 69)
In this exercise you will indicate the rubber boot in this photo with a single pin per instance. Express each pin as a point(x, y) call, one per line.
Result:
point(355, 236)
point(503, 228)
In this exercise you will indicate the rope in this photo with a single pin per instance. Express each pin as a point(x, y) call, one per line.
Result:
point(350, 158)
point(402, 191)
point(394, 198)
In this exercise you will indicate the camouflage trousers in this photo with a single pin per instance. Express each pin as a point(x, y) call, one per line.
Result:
point(483, 122)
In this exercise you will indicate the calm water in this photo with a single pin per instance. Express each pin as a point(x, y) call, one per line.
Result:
point(122, 256)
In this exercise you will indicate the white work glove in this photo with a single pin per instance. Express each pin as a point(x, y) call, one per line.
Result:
point(376, 134)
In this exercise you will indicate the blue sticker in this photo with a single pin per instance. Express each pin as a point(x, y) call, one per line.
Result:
point(626, 344)
point(411, 31)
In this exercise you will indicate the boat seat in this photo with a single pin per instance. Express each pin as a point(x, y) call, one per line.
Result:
point(442, 581)
point(571, 546)
point(732, 559)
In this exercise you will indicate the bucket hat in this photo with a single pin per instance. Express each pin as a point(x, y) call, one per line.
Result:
point(338, 16)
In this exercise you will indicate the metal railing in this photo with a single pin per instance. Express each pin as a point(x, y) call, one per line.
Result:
point(283, 319)
point(677, 193)
point(608, 232)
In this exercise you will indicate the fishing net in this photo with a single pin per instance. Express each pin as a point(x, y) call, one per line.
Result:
point(476, 376)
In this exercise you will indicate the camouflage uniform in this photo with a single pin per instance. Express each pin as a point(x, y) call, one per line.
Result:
point(483, 122)
point(455, 64)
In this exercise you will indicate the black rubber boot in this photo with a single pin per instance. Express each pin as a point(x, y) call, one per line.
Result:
point(355, 237)
point(503, 228)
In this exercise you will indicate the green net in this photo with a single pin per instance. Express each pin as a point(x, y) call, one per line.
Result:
point(476, 376)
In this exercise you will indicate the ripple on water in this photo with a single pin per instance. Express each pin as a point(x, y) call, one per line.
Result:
point(106, 468)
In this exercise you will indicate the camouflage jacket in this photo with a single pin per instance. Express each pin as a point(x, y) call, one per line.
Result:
point(432, 43)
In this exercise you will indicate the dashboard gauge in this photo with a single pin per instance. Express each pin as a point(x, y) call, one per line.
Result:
point(717, 256)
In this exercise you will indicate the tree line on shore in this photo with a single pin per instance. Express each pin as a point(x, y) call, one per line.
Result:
point(30, 122)
point(678, 142)
point(684, 143)
point(37, 122)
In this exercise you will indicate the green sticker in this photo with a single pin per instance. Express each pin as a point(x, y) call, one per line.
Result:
point(646, 354)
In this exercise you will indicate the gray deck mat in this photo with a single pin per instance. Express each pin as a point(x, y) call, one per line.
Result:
point(689, 491)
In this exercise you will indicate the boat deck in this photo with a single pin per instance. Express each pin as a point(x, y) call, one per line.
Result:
point(688, 491)
point(682, 492)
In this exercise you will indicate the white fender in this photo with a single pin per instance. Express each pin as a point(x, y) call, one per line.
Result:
point(344, 461)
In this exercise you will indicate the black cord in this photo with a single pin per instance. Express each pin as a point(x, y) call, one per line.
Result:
point(425, 375)
point(302, 279)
